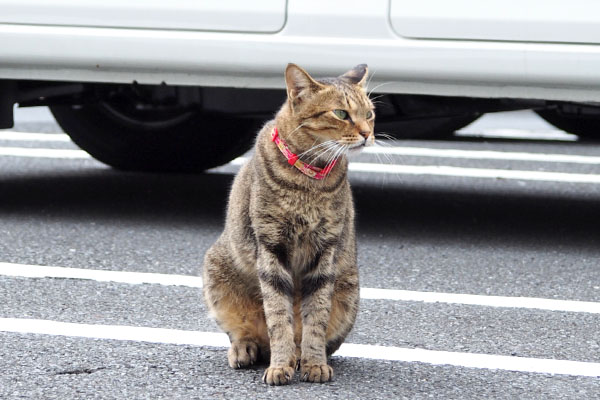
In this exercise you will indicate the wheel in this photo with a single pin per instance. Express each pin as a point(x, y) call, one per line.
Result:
point(413, 117)
point(427, 128)
point(128, 137)
point(585, 126)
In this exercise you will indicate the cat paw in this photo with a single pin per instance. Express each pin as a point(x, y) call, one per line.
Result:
point(316, 373)
point(242, 353)
point(278, 375)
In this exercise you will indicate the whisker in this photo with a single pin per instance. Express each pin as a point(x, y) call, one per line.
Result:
point(333, 150)
point(341, 151)
point(298, 127)
point(313, 148)
point(332, 145)
point(383, 143)
point(341, 148)
point(377, 97)
point(338, 154)
point(385, 135)
point(323, 150)
point(377, 87)
point(388, 157)
point(370, 78)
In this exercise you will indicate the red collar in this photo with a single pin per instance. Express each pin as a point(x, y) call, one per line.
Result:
point(306, 169)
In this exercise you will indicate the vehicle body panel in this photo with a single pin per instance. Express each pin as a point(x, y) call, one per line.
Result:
point(558, 21)
point(326, 38)
point(211, 15)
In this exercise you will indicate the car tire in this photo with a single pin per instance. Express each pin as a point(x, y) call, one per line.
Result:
point(584, 126)
point(426, 128)
point(182, 141)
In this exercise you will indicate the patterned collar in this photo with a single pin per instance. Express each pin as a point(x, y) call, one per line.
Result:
point(306, 169)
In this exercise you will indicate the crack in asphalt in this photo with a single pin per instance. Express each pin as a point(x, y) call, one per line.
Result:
point(80, 371)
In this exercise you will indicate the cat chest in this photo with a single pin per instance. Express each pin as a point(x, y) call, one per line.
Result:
point(297, 238)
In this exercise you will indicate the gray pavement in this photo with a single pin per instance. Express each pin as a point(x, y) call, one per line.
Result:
point(493, 237)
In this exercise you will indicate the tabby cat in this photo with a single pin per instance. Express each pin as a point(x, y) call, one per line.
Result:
point(282, 279)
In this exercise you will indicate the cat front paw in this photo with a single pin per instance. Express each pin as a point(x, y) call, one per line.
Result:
point(242, 353)
point(316, 373)
point(278, 375)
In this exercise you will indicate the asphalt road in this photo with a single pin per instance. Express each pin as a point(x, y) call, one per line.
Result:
point(428, 224)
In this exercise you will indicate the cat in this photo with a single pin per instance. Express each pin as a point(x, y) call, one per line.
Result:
point(282, 279)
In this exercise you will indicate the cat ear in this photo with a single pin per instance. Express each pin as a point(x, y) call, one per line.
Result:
point(299, 84)
point(357, 75)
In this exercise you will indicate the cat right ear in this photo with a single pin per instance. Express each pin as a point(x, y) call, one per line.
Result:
point(357, 75)
point(299, 84)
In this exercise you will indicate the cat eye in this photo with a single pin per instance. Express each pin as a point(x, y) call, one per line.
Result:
point(341, 114)
point(369, 114)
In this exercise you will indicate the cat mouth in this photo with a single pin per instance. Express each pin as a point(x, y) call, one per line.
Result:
point(358, 145)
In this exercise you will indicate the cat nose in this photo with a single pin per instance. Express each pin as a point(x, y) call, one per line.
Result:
point(364, 134)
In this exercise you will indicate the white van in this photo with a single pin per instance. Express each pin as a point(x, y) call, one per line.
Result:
point(183, 85)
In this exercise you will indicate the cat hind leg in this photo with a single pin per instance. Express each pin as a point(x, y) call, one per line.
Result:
point(235, 304)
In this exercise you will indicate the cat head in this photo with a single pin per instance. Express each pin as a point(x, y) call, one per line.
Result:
point(333, 110)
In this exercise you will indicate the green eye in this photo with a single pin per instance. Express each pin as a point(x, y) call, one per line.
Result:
point(341, 114)
point(369, 114)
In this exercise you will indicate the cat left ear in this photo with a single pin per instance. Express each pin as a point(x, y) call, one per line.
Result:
point(299, 84)
point(357, 75)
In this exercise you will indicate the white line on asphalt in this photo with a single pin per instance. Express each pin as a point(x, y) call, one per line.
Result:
point(482, 154)
point(392, 150)
point(135, 278)
point(40, 271)
point(519, 134)
point(500, 133)
point(471, 360)
point(34, 137)
point(439, 170)
point(373, 352)
point(481, 300)
point(116, 332)
point(42, 153)
point(442, 170)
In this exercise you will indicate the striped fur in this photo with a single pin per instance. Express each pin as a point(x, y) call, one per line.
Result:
point(282, 279)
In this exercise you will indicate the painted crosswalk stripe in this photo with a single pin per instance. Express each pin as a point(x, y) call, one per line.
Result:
point(363, 351)
point(129, 277)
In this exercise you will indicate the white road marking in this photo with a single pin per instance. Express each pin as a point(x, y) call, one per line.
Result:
point(392, 150)
point(373, 352)
point(43, 153)
point(471, 360)
point(519, 134)
point(135, 278)
point(40, 271)
point(116, 332)
point(481, 300)
point(439, 170)
point(482, 154)
point(501, 133)
point(34, 137)
point(442, 170)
